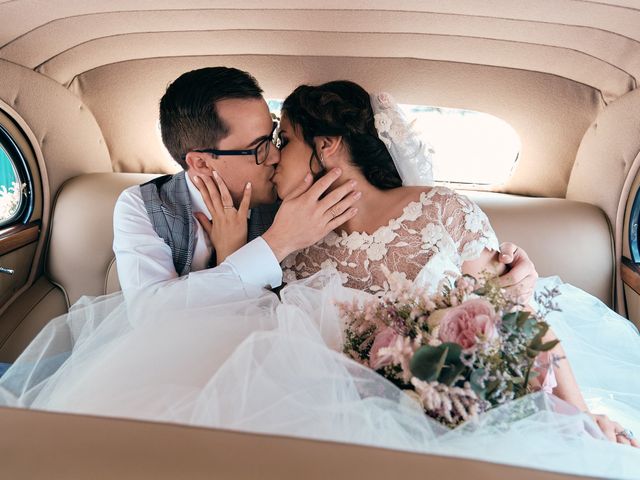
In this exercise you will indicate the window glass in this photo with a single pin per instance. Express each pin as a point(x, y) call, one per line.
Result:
point(13, 200)
point(634, 237)
point(275, 106)
point(10, 189)
point(468, 147)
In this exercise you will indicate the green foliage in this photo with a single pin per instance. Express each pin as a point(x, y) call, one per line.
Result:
point(442, 363)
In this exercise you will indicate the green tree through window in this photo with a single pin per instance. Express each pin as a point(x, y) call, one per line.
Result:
point(10, 188)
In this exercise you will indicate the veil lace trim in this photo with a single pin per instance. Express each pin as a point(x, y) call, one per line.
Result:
point(412, 157)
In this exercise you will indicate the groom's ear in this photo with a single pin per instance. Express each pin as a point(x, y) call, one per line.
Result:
point(197, 163)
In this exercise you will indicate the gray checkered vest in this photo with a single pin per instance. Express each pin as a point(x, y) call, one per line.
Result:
point(169, 208)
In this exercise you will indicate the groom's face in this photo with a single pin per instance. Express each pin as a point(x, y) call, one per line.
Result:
point(248, 122)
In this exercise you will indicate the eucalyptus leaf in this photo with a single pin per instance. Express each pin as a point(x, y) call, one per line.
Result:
point(531, 353)
point(509, 319)
point(428, 362)
point(545, 347)
point(450, 372)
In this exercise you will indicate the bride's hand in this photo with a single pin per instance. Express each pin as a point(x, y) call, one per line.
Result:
point(227, 228)
point(613, 430)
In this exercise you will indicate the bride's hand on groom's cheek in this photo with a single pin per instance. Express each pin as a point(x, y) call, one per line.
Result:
point(306, 216)
point(521, 275)
point(227, 229)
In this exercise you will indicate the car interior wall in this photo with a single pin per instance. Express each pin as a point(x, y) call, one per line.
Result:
point(67, 135)
point(606, 166)
point(549, 113)
point(65, 141)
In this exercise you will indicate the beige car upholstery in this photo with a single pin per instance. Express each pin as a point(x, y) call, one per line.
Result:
point(567, 238)
point(62, 446)
point(562, 237)
point(80, 251)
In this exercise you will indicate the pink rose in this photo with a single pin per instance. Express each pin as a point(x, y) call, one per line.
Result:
point(384, 339)
point(467, 322)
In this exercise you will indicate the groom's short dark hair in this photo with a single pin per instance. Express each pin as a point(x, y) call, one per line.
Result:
point(188, 116)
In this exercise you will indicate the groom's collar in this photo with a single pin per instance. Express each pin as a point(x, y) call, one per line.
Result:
point(197, 203)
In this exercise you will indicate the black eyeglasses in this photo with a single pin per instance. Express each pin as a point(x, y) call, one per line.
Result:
point(261, 152)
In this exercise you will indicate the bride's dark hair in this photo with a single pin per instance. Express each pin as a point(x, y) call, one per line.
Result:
point(342, 108)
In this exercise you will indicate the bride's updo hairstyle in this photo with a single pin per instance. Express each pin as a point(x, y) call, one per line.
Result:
point(343, 109)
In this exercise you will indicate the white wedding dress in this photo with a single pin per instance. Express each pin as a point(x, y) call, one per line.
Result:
point(255, 363)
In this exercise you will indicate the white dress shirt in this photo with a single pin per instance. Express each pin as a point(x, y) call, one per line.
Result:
point(143, 258)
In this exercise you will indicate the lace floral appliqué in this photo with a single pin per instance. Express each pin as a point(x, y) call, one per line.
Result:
point(441, 223)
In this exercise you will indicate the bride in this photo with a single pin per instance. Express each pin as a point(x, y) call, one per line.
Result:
point(275, 366)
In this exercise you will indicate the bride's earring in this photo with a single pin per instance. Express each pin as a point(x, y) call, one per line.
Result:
point(322, 160)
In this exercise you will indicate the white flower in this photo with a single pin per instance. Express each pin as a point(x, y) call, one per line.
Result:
point(289, 261)
point(382, 122)
point(355, 241)
point(384, 235)
point(329, 264)
point(385, 100)
point(432, 235)
point(376, 251)
point(332, 239)
point(397, 132)
point(413, 211)
point(473, 221)
point(288, 276)
point(473, 249)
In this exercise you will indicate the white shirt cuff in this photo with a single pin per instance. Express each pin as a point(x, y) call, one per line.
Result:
point(256, 264)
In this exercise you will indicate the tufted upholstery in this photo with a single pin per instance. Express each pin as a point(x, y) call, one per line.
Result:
point(607, 163)
point(65, 130)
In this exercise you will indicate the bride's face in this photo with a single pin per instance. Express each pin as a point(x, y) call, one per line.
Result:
point(294, 159)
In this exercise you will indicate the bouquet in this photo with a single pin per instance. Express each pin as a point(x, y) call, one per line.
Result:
point(459, 352)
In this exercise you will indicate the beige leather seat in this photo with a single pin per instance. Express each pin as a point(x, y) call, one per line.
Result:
point(80, 258)
point(563, 237)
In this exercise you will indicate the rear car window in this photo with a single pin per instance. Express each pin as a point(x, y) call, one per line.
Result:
point(468, 147)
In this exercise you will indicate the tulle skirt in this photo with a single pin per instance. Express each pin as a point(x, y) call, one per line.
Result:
point(248, 361)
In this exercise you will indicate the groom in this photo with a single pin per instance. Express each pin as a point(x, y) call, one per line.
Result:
point(215, 123)
point(215, 120)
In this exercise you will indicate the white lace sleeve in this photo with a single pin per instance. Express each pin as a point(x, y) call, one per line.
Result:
point(469, 227)
point(468, 232)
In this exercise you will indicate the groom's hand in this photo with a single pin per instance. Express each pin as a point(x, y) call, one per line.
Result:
point(304, 217)
point(520, 278)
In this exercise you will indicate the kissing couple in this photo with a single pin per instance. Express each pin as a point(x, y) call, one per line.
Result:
point(197, 335)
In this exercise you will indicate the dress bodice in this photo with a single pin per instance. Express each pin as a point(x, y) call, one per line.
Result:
point(442, 224)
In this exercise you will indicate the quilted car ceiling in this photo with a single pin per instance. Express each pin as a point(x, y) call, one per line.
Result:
point(591, 42)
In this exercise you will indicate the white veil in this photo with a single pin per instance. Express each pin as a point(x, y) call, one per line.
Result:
point(412, 157)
